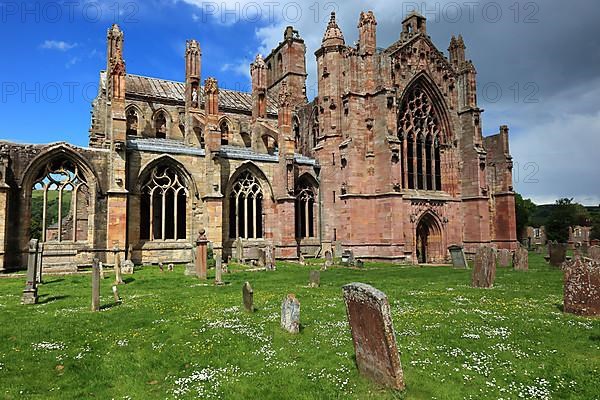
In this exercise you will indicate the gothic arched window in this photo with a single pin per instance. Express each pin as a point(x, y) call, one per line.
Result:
point(160, 124)
point(305, 211)
point(163, 205)
point(314, 128)
point(132, 122)
point(224, 133)
point(296, 128)
point(61, 196)
point(418, 120)
point(246, 208)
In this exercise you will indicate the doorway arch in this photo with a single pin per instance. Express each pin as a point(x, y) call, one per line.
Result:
point(429, 246)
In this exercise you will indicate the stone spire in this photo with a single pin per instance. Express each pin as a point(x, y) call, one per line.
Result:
point(258, 71)
point(457, 51)
point(193, 59)
point(333, 35)
point(115, 65)
point(367, 42)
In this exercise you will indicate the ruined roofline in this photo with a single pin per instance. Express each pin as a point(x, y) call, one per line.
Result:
point(51, 144)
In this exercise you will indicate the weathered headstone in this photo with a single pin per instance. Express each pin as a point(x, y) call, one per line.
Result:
point(117, 267)
point(248, 297)
point(262, 258)
point(270, 258)
point(504, 258)
point(201, 255)
point(557, 253)
point(521, 259)
point(457, 254)
point(101, 266)
point(239, 251)
point(314, 279)
point(301, 260)
point(348, 258)
point(484, 271)
point(218, 270)
point(359, 264)
point(162, 267)
point(290, 314)
point(582, 287)
point(116, 294)
point(582, 250)
point(328, 259)
point(128, 268)
point(95, 286)
point(40, 263)
point(373, 335)
point(170, 267)
point(338, 249)
point(30, 293)
point(594, 253)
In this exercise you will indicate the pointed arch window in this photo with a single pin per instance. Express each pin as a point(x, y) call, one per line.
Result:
point(163, 205)
point(419, 123)
point(314, 128)
point(132, 122)
point(224, 133)
point(246, 208)
point(160, 123)
point(305, 211)
point(61, 196)
point(296, 128)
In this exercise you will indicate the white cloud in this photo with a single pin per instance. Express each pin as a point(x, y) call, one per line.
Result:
point(57, 45)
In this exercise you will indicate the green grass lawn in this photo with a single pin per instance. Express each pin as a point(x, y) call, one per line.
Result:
point(176, 337)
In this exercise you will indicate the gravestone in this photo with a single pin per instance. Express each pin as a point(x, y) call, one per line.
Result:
point(582, 250)
point(359, 264)
point(128, 268)
point(348, 258)
point(270, 258)
point(201, 255)
point(328, 259)
point(373, 335)
point(239, 251)
point(484, 271)
point(521, 259)
point(162, 267)
point(170, 267)
point(40, 263)
point(504, 258)
point(117, 267)
point(338, 249)
point(262, 258)
point(116, 296)
point(95, 286)
point(314, 279)
point(290, 314)
point(248, 297)
point(557, 253)
point(101, 266)
point(594, 253)
point(459, 259)
point(218, 270)
point(582, 287)
point(30, 293)
point(301, 260)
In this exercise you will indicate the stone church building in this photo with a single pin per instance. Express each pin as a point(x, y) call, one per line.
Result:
point(388, 161)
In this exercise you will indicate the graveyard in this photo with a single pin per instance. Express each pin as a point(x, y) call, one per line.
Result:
point(174, 336)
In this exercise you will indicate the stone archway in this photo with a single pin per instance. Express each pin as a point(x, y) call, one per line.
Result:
point(429, 244)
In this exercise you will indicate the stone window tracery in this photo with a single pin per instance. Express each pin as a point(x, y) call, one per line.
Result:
point(64, 195)
point(163, 205)
point(132, 122)
point(419, 124)
point(246, 208)
point(305, 211)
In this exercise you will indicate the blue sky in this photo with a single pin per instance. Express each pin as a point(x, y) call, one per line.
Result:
point(544, 64)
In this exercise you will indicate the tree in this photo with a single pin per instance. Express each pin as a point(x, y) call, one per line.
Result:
point(595, 234)
point(564, 215)
point(524, 209)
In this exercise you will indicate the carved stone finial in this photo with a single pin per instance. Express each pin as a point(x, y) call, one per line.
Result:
point(367, 18)
point(333, 35)
point(211, 86)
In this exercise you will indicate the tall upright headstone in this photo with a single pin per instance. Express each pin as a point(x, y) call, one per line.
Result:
point(373, 335)
point(484, 271)
point(270, 258)
point(218, 270)
point(117, 267)
point(290, 314)
point(30, 293)
point(521, 259)
point(328, 259)
point(262, 258)
point(101, 266)
point(557, 253)
point(40, 263)
point(239, 250)
point(201, 254)
point(457, 254)
point(248, 297)
point(314, 279)
point(95, 285)
point(504, 257)
point(582, 287)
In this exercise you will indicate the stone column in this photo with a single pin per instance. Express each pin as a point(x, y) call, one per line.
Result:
point(95, 285)
point(30, 295)
point(201, 254)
